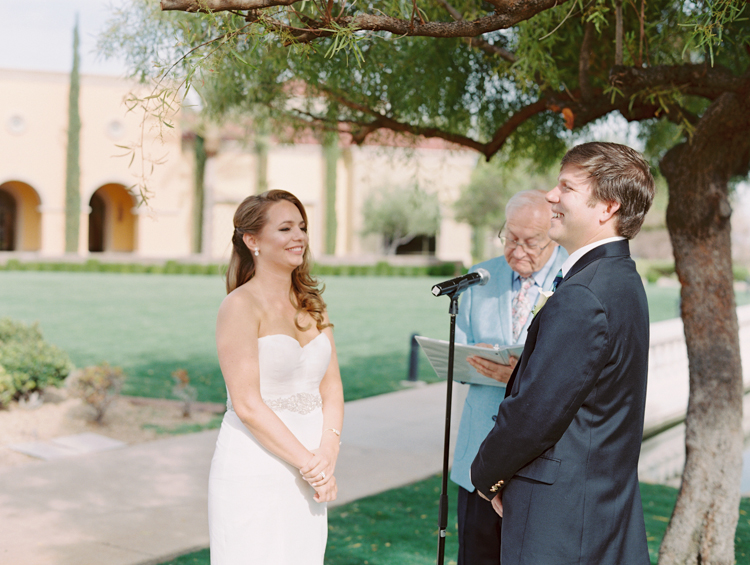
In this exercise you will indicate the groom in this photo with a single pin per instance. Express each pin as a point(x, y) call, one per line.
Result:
point(560, 464)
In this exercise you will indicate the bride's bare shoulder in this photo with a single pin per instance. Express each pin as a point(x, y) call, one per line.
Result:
point(241, 303)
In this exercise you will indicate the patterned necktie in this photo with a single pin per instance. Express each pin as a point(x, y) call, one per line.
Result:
point(521, 306)
point(558, 278)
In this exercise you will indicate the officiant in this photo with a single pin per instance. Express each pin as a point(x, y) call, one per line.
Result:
point(498, 313)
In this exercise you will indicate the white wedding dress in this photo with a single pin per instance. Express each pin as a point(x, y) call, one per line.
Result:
point(260, 509)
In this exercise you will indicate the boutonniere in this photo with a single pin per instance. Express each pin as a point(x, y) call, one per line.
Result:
point(543, 297)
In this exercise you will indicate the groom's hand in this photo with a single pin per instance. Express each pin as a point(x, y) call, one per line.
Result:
point(487, 368)
point(497, 504)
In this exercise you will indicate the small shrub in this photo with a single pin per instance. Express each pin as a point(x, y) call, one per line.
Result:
point(35, 364)
point(382, 269)
point(7, 388)
point(184, 391)
point(445, 270)
point(172, 268)
point(98, 386)
point(10, 330)
point(29, 363)
point(652, 271)
point(13, 265)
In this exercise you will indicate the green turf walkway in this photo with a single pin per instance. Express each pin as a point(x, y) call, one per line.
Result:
point(399, 527)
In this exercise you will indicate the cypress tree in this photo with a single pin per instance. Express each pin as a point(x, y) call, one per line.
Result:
point(199, 196)
point(331, 153)
point(261, 152)
point(73, 162)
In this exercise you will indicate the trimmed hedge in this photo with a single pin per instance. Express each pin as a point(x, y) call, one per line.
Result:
point(175, 268)
point(652, 271)
point(27, 362)
point(95, 266)
point(384, 269)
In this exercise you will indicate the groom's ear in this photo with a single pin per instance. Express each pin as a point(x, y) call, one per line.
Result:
point(608, 211)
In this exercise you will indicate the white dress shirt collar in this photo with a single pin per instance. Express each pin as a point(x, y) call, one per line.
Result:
point(578, 253)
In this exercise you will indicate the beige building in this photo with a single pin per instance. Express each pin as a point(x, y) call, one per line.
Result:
point(114, 220)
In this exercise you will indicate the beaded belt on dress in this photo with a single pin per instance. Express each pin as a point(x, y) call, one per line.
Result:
point(301, 403)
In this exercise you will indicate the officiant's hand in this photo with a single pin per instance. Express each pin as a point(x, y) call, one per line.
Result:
point(487, 368)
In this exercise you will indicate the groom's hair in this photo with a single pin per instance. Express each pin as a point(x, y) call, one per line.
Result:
point(617, 174)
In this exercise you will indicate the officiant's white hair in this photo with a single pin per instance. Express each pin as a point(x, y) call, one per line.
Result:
point(532, 198)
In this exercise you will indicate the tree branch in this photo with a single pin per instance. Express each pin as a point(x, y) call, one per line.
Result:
point(486, 46)
point(700, 80)
point(300, 35)
point(513, 12)
point(577, 109)
point(221, 5)
point(511, 124)
point(618, 32)
point(384, 122)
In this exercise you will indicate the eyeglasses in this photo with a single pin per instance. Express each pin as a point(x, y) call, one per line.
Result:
point(529, 248)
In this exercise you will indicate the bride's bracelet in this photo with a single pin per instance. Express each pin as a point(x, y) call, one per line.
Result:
point(335, 431)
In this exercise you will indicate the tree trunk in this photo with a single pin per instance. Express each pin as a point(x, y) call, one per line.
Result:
point(705, 517)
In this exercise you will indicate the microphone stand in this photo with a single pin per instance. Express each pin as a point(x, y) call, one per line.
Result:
point(443, 512)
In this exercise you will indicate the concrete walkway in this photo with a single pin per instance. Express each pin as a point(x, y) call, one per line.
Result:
point(145, 503)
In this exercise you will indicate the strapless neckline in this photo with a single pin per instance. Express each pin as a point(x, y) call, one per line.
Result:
point(295, 340)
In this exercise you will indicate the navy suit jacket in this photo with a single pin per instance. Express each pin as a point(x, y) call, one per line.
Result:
point(565, 445)
point(485, 317)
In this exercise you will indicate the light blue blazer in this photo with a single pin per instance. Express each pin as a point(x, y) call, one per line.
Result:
point(484, 316)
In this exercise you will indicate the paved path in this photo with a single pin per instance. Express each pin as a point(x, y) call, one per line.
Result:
point(145, 503)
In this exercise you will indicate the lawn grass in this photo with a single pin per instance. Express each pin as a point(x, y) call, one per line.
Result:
point(399, 527)
point(151, 324)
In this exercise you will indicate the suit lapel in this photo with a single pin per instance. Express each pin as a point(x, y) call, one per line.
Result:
point(614, 249)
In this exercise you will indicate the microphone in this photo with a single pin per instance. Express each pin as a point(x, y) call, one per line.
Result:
point(459, 284)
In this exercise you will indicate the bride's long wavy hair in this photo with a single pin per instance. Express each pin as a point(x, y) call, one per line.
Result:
point(251, 216)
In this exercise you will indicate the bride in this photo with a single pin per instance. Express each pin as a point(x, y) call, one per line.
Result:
point(273, 469)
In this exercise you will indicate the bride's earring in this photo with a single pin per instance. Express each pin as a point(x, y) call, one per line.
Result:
point(257, 252)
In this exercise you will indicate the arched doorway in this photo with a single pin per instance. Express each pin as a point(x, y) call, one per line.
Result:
point(112, 224)
point(96, 222)
point(20, 219)
point(7, 221)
